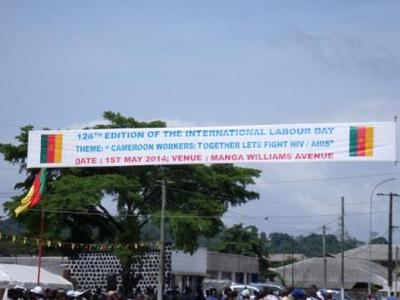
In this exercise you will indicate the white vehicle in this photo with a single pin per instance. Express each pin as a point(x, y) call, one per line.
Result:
point(276, 288)
point(242, 289)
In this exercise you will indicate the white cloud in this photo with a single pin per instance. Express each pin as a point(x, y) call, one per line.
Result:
point(338, 51)
point(372, 109)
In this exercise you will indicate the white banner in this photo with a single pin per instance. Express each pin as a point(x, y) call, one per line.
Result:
point(168, 146)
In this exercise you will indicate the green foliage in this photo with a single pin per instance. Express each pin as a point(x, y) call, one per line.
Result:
point(379, 241)
point(246, 241)
point(9, 247)
point(310, 245)
point(280, 242)
point(241, 240)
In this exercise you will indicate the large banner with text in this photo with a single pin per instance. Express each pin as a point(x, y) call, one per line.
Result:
point(167, 146)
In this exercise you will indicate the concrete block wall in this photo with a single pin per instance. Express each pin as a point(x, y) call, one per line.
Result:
point(90, 269)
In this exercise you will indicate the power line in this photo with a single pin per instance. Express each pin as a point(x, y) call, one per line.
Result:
point(329, 178)
point(10, 124)
point(83, 212)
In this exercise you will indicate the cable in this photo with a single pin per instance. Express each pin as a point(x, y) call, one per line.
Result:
point(10, 124)
point(125, 215)
point(319, 227)
point(82, 212)
point(329, 178)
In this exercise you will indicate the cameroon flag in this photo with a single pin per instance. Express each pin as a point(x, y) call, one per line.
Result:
point(51, 148)
point(361, 141)
point(35, 193)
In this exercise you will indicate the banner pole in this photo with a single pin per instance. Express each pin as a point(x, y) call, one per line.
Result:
point(396, 162)
point(40, 245)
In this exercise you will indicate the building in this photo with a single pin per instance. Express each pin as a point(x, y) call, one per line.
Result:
point(238, 268)
point(191, 269)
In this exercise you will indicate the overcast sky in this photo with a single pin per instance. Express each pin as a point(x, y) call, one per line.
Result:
point(192, 63)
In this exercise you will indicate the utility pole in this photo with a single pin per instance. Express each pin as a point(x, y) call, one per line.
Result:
point(370, 232)
point(284, 267)
point(390, 239)
point(395, 268)
point(342, 248)
point(161, 274)
point(390, 250)
point(324, 254)
point(293, 261)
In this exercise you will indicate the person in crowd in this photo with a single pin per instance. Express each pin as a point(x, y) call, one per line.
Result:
point(188, 294)
point(260, 295)
point(231, 295)
point(311, 294)
point(391, 297)
point(150, 294)
point(298, 294)
point(211, 294)
point(329, 296)
point(227, 290)
point(112, 295)
point(244, 293)
point(15, 294)
point(37, 293)
point(269, 294)
point(199, 294)
point(138, 294)
point(219, 295)
point(246, 297)
point(287, 295)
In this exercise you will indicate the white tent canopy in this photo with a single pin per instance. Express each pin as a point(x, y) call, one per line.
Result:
point(12, 275)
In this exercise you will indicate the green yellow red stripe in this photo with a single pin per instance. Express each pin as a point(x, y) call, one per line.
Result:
point(51, 148)
point(361, 141)
point(35, 193)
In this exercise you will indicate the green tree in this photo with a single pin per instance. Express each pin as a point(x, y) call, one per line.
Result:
point(310, 245)
point(10, 247)
point(247, 241)
point(379, 240)
point(197, 198)
point(280, 242)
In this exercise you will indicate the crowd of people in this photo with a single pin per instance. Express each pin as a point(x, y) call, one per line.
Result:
point(38, 293)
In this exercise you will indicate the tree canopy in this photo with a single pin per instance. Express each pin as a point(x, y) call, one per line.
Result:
point(380, 240)
point(310, 245)
point(245, 240)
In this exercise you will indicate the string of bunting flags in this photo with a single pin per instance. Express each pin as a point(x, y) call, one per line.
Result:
point(75, 245)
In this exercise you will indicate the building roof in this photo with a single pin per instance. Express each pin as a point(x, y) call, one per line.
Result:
point(379, 253)
point(311, 271)
point(280, 257)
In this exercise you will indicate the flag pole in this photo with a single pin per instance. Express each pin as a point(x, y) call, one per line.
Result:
point(40, 244)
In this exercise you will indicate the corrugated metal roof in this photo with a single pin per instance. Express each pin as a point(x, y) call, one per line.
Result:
point(310, 271)
point(379, 253)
